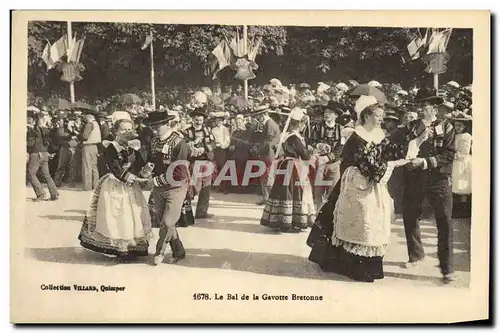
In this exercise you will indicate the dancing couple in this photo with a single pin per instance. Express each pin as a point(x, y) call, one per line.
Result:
point(119, 219)
point(352, 229)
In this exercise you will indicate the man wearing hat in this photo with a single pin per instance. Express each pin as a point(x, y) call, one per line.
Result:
point(38, 140)
point(328, 132)
point(429, 174)
point(91, 138)
point(202, 143)
point(267, 143)
point(67, 163)
point(170, 182)
point(391, 121)
point(444, 109)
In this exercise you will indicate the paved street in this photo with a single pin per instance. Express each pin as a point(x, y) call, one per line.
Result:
point(232, 242)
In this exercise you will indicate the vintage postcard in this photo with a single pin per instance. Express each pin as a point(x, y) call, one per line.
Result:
point(250, 167)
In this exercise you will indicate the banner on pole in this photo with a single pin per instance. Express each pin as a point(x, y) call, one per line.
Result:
point(46, 57)
point(149, 40)
point(76, 51)
point(59, 49)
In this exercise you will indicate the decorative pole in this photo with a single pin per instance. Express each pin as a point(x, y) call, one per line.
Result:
point(245, 51)
point(69, 50)
point(152, 72)
point(443, 64)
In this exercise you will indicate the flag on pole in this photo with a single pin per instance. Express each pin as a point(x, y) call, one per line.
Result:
point(439, 41)
point(59, 49)
point(255, 49)
point(80, 49)
point(223, 54)
point(76, 51)
point(149, 40)
point(46, 57)
point(238, 46)
point(414, 47)
point(223, 57)
point(417, 47)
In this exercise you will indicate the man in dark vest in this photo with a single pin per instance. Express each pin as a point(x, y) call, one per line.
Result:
point(202, 144)
point(429, 174)
point(327, 132)
point(169, 182)
point(37, 138)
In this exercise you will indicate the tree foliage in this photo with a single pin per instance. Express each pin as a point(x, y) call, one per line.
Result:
point(115, 62)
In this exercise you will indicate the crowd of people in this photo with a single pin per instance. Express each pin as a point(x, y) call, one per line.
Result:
point(371, 144)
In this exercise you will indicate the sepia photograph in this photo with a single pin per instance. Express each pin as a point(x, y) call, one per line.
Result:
point(209, 167)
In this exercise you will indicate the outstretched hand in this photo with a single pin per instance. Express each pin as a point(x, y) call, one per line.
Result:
point(415, 163)
point(401, 162)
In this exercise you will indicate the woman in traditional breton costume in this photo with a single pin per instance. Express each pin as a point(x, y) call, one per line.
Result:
point(461, 175)
point(118, 221)
point(352, 228)
point(290, 205)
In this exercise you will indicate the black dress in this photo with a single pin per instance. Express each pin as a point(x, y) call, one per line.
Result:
point(118, 222)
point(372, 163)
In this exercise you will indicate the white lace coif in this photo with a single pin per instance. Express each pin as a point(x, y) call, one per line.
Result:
point(119, 115)
point(276, 83)
point(342, 86)
point(375, 84)
point(363, 102)
point(297, 114)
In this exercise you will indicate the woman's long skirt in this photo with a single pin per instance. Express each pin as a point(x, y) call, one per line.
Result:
point(290, 206)
point(461, 175)
point(118, 220)
point(359, 262)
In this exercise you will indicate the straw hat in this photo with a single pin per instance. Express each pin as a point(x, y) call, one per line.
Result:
point(453, 84)
point(342, 87)
point(448, 105)
point(459, 116)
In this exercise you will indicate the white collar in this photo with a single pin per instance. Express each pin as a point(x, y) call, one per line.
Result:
point(178, 133)
point(376, 135)
point(134, 144)
point(166, 136)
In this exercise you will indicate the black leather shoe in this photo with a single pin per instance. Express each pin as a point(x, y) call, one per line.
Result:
point(174, 260)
